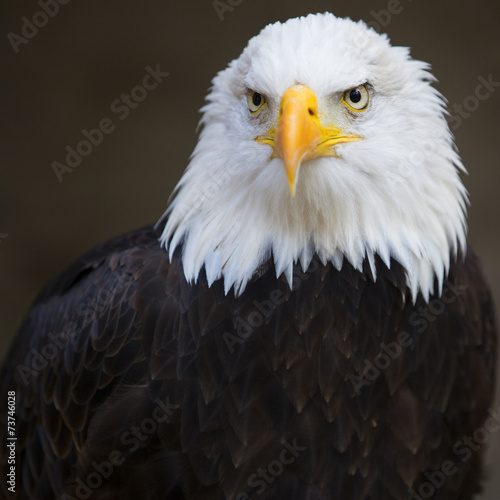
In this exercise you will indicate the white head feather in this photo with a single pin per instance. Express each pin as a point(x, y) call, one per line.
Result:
point(395, 193)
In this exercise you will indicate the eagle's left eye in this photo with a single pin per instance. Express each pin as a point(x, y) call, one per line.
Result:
point(255, 101)
point(357, 99)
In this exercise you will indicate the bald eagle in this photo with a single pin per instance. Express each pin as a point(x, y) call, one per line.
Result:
point(304, 322)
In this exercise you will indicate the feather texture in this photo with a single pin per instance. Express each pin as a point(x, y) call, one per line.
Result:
point(196, 394)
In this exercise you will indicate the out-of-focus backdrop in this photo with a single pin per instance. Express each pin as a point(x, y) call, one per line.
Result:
point(66, 70)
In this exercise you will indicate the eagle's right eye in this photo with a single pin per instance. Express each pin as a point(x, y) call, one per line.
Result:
point(255, 101)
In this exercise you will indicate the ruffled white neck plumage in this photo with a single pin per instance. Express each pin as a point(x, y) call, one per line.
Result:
point(396, 193)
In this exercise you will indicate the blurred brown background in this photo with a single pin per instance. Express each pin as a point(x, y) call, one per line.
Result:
point(67, 75)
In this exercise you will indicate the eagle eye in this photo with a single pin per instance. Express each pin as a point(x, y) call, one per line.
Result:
point(357, 98)
point(255, 101)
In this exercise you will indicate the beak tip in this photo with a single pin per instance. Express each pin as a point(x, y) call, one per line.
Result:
point(292, 187)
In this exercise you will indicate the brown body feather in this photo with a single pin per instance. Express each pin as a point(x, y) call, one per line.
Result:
point(132, 383)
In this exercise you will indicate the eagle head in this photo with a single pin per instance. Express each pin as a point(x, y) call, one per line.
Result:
point(323, 140)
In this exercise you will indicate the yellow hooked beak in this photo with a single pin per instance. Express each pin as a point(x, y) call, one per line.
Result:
point(299, 135)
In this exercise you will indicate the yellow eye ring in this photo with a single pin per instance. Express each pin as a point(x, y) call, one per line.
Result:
point(256, 101)
point(357, 98)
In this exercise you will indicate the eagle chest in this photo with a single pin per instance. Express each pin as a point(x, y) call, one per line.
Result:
point(331, 364)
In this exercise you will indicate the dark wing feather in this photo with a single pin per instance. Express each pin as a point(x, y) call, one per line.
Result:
point(193, 393)
point(77, 360)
